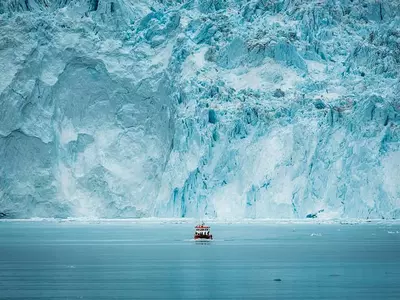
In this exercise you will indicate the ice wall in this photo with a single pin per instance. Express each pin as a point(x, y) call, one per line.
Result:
point(205, 108)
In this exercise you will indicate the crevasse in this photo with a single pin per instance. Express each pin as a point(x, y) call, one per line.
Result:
point(201, 108)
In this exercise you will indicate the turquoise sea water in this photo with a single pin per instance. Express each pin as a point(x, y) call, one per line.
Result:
point(49, 260)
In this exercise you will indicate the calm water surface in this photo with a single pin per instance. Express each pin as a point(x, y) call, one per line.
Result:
point(46, 260)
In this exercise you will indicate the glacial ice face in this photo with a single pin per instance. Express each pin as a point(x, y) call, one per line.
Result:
point(202, 108)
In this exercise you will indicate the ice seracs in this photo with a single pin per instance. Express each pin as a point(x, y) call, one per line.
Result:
point(218, 109)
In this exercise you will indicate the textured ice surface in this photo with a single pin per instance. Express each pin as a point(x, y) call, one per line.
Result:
point(226, 109)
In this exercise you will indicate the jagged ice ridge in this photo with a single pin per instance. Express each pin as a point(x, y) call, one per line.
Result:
point(202, 108)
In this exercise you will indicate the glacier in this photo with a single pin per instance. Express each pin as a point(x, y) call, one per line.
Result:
point(200, 108)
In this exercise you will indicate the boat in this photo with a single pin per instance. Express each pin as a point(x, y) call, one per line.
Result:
point(202, 232)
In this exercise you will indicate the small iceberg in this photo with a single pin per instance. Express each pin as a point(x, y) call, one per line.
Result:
point(315, 234)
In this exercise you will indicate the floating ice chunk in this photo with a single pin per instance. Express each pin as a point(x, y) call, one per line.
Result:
point(315, 234)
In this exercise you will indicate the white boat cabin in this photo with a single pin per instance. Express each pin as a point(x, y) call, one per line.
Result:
point(202, 230)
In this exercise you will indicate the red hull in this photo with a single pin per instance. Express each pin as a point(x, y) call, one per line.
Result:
point(203, 237)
